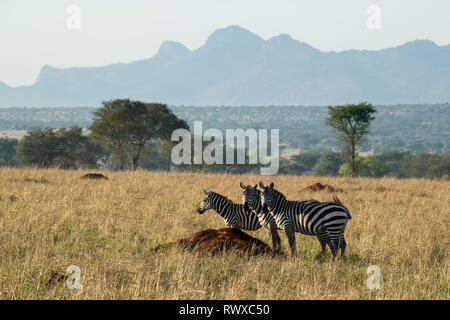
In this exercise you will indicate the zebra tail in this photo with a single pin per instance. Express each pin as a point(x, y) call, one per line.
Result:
point(336, 199)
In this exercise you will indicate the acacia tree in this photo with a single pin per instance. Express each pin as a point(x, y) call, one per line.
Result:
point(77, 150)
point(63, 148)
point(8, 152)
point(39, 148)
point(124, 127)
point(352, 122)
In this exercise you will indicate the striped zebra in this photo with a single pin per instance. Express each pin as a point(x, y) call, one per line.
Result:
point(233, 214)
point(326, 220)
point(251, 198)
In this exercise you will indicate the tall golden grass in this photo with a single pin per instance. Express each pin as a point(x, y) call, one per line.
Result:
point(50, 219)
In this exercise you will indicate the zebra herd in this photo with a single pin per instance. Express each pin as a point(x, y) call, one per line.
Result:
point(270, 209)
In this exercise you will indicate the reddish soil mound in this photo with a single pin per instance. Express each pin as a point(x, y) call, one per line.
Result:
point(212, 241)
point(319, 187)
point(95, 176)
point(55, 278)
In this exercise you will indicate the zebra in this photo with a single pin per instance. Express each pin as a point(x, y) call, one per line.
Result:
point(233, 214)
point(326, 220)
point(251, 200)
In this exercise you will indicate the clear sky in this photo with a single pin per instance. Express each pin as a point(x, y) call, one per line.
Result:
point(35, 33)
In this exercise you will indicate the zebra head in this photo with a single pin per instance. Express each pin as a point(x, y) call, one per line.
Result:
point(206, 203)
point(267, 196)
point(250, 196)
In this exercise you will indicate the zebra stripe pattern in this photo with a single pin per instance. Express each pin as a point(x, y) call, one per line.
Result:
point(251, 198)
point(233, 214)
point(326, 220)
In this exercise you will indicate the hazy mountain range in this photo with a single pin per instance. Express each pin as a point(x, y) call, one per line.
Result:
point(237, 67)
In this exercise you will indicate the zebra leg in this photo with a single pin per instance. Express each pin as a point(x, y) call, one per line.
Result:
point(275, 237)
point(342, 245)
point(333, 248)
point(333, 243)
point(323, 243)
point(273, 233)
point(278, 240)
point(289, 230)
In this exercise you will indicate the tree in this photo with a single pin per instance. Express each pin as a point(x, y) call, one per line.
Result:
point(425, 165)
point(352, 122)
point(68, 140)
point(91, 153)
point(328, 164)
point(63, 148)
point(373, 167)
point(39, 148)
point(301, 163)
point(125, 127)
point(77, 150)
point(158, 155)
point(8, 152)
point(396, 161)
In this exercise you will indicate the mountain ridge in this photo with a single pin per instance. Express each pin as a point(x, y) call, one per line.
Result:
point(237, 67)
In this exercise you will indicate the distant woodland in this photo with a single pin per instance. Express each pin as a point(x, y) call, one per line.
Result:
point(415, 128)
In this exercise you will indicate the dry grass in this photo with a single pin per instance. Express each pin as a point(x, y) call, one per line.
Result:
point(12, 134)
point(50, 219)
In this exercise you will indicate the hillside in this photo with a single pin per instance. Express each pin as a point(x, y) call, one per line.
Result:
point(237, 67)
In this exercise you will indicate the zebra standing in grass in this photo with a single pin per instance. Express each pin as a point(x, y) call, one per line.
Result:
point(251, 199)
point(233, 214)
point(326, 220)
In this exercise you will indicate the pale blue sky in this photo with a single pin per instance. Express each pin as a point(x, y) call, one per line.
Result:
point(34, 33)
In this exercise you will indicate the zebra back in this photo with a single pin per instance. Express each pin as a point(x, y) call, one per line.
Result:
point(234, 214)
point(308, 216)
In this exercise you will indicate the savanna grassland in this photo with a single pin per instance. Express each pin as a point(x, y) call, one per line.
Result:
point(51, 219)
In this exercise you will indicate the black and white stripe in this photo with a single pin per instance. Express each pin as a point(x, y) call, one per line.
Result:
point(251, 198)
point(326, 220)
point(233, 214)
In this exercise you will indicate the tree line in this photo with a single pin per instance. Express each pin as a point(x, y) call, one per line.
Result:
point(400, 164)
point(127, 134)
point(416, 128)
point(45, 148)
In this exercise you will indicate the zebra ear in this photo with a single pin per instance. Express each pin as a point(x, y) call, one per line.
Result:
point(261, 184)
point(242, 185)
point(206, 191)
point(271, 185)
point(255, 186)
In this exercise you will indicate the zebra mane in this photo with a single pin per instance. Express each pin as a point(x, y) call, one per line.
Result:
point(278, 194)
point(221, 195)
point(229, 200)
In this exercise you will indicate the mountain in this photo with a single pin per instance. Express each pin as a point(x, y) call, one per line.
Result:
point(237, 67)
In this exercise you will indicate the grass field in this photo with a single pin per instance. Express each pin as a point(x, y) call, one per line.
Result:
point(51, 219)
point(12, 134)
